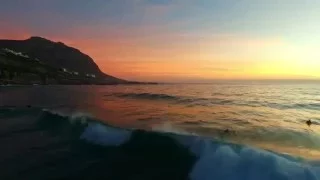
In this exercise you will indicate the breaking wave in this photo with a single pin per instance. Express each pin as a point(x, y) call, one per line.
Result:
point(82, 147)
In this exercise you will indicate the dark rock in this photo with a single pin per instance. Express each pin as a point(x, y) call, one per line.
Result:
point(58, 55)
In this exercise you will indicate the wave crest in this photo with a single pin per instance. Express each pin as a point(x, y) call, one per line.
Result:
point(147, 96)
point(198, 101)
point(176, 156)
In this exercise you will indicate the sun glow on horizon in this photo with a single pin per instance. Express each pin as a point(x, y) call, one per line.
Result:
point(182, 40)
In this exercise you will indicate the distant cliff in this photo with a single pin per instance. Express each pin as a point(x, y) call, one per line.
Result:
point(55, 55)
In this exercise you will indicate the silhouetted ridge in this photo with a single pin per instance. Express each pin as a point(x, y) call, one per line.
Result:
point(38, 38)
point(58, 55)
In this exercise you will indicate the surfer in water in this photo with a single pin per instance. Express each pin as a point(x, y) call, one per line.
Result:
point(229, 132)
point(309, 122)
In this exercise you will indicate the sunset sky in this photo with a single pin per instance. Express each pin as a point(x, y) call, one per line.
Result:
point(179, 40)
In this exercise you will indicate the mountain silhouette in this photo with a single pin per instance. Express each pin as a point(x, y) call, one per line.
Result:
point(58, 55)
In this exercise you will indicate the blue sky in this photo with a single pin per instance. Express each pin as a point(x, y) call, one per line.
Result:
point(271, 17)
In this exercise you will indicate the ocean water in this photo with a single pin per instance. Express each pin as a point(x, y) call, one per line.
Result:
point(225, 130)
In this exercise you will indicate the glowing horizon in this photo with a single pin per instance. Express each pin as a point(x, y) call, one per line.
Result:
point(176, 40)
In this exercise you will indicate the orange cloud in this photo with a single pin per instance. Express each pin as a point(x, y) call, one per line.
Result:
point(10, 31)
point(155, 54)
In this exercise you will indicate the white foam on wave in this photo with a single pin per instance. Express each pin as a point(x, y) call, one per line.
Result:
point(217, 160)
point(235, 162)
point(103, 135)
point(55, 112)
point(79, 117)
point(95, 132)
point(73, 117)
point(168, 127)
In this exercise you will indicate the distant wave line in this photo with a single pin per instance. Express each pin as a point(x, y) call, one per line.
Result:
point(196, 101)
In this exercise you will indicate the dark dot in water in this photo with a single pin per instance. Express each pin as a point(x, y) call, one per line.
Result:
point(309, 122)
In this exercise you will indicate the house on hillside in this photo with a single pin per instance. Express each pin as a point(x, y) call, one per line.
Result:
point(15, 53)
point(91, 75)
point(64, 70)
